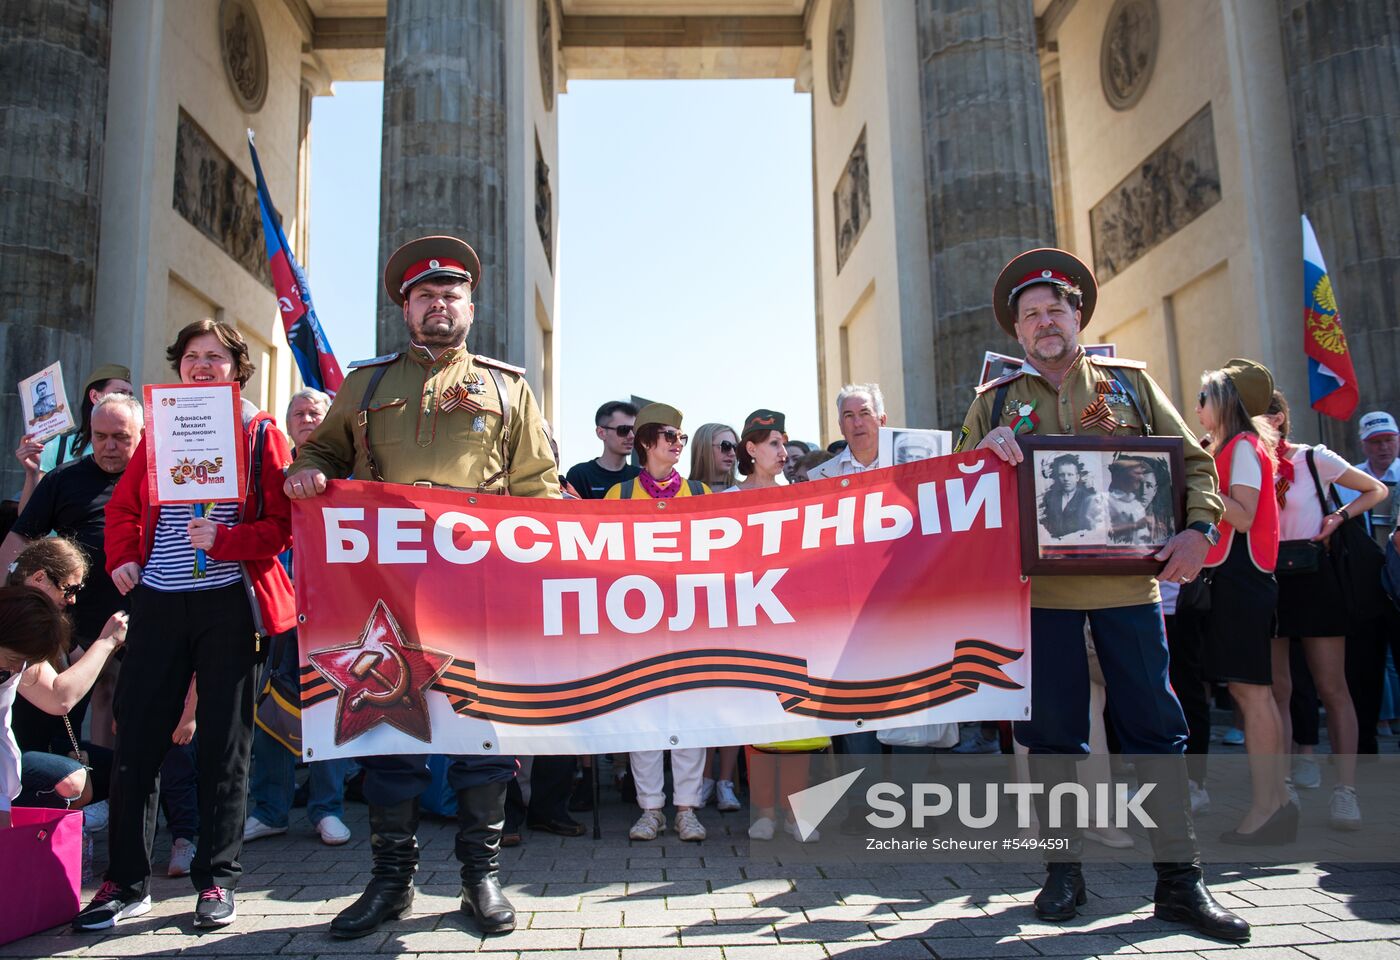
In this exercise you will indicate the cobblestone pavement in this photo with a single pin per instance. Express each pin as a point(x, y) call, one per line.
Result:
point(720, 900)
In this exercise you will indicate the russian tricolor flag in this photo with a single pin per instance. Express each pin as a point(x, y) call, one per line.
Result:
point(1331, 376)
point(315, 359)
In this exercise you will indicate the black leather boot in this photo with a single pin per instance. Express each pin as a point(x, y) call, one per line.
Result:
point(1181, 894)
point(1063, 892)
point(389, 895)
point(481, 816)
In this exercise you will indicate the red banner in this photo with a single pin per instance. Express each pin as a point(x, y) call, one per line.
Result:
point(436, 621)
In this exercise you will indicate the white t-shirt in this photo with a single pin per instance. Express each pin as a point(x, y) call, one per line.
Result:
point(1301, 516)
point(9, 749)
point(1245, 470)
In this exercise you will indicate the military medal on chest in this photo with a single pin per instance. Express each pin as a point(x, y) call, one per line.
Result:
point(463, 395)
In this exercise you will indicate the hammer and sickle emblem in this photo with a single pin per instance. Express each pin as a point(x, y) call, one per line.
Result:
point(285, 304)
point(367, 665)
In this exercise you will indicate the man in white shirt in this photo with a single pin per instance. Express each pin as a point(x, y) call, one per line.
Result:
point(860, 408)
point(1380, 438)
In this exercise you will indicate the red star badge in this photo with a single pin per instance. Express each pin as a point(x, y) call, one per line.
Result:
point(382, 677)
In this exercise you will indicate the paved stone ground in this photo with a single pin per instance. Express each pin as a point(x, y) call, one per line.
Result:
point(724, 899)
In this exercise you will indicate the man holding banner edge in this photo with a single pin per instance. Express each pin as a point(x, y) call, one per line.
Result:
point(1044, 298)
point(434, 415)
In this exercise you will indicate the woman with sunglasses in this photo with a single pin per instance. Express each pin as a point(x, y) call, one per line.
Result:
point(713, 455)
point(43, 581)
point(194, 621)
point(659, 445)
point(1232, 408)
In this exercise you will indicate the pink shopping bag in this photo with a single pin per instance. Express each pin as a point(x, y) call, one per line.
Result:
point(41, 867)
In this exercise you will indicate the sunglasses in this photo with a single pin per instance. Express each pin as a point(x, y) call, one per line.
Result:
point(727, 446)
point(71, 591)
point(671, 436)
point(1201, 399)
point(623, 431)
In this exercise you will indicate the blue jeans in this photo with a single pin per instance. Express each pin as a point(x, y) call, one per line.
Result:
point(273, 781)
point(40, 774)
point(179, 791)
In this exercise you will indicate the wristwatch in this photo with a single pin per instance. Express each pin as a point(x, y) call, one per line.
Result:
point(1208, 530)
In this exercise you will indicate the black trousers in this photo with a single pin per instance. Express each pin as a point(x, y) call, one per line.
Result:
point(1184, 639)
point(1365, 666)
point(551, 781)
point(173, 636)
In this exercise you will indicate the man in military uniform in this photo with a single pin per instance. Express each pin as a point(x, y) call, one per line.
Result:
point(433, 416)
point(1044, 298)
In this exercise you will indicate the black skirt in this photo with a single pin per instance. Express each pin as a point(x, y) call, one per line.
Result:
point(1311, 604)
point(1240, 625)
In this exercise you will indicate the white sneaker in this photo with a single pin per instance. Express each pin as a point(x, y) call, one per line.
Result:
point(1345, 812)
point(688, 827)
point(1200, 799)
point(1110, 836)
point(1292, 792)
point(707, 791)
point(1306, 773)
point(255, 829)
point(727, 801)
point(761, 829)
point(648, 826)
point(181, 856)
point(791, 827)
point(333, 830)
point(96, 817)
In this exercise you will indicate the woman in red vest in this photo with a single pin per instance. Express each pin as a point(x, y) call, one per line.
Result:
point(1243, 595)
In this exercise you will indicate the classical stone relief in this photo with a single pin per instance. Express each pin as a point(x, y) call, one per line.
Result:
point(546, 53)
point(1178, 182)
point(1129, 51)
point(852, 199)
point(244, 53)
point(840, 47)
point(544, 203)
point(215, 196)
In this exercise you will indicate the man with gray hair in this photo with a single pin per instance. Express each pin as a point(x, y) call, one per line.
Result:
point(860, 409)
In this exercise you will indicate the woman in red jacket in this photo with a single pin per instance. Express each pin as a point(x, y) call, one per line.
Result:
point(187, 623)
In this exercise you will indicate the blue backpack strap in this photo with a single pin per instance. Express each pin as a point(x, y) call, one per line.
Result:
point(627, 488)
point(696, 487)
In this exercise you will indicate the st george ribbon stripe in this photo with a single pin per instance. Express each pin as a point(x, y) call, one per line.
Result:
point(975, 662)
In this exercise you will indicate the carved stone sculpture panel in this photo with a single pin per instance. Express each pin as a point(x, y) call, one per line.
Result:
point(215, 196)
point(852, 198)
point(544, 203)
point(1178, 182)
point(840, 47)
point(244, 53)
point(546, 52)
point(1129, 51)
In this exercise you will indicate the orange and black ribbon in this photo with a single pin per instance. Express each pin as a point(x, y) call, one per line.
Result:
point(974, 662)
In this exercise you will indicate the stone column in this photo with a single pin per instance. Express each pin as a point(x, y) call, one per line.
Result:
point(444, 151)
point(53, 101)
point(1342, 62)
point(988, 190)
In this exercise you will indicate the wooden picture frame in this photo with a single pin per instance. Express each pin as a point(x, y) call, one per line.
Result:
point(1128, 498)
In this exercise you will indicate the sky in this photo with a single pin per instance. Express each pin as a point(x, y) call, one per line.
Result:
point(685, 246)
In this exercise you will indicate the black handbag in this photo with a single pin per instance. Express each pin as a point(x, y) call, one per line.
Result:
point(1299, 556)
point(1356, 559)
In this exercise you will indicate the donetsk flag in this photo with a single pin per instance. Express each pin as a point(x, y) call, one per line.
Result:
point(1331, 376)
point(315, 359)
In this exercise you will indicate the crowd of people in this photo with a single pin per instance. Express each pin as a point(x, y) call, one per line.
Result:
point(115, 628)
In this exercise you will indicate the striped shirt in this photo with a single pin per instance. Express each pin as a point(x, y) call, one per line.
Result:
point(170, 568)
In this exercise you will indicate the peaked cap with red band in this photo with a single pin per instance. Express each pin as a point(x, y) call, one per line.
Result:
point(426, 257)
point(1059, 268)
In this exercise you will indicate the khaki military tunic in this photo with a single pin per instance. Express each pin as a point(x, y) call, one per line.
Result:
point(1060, 412)
point(416, 437)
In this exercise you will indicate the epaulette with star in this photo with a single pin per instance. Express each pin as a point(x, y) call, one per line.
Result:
point(993, 384)
point(499, 364)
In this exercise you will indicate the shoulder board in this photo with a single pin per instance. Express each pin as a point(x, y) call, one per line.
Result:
point(499, 364)
point(1117, 362)
point(375, 361)
point(993, 384)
